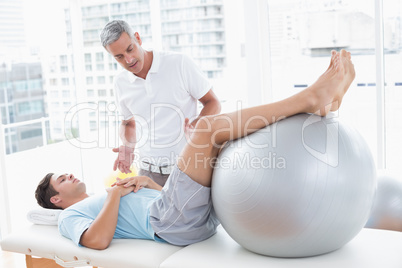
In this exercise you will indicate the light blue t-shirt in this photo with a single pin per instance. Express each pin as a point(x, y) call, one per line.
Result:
point(132, 222)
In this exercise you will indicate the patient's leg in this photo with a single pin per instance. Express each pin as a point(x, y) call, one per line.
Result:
point(211, 132)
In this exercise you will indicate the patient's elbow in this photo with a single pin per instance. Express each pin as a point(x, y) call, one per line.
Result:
point(99, 245)
point(97, 242)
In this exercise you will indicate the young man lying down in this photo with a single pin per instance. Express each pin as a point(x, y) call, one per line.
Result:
point(181, 212)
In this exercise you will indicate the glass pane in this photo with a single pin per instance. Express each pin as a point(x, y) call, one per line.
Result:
point(302, 35)
point(212, 34)
point(393, 78)
point(35, 80)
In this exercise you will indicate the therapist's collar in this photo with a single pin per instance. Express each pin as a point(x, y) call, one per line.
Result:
point(154, 67)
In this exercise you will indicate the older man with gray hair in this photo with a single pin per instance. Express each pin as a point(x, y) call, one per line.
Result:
point(157, 93)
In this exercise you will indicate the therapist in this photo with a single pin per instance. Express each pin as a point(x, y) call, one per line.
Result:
point(157, 95)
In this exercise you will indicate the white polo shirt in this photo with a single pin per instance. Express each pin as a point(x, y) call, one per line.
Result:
point(160, 103)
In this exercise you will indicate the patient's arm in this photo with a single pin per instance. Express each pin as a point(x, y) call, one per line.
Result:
point(139, 182)
point(100, 232)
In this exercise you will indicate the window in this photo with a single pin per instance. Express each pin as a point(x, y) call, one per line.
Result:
point(102, 92)
point(63, 60)
point(93, 125)
point(54, 105)
point(23, 108)
point(21, 85)
point(54, 94)
point(89, 80)
point(99, 56)
point(67, 105)
point(88, 57)
point(65, 81)
point(35, 84)
point(113, 66)
point(393, 89)
point(31, 107)
point(53, 82)
point(101, 80)
point(100, 67)
point(90, 93)
point(31, 134)
point(66, 94)
point(303, 33)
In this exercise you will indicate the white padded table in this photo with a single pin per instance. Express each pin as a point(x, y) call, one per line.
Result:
point(46, 242)
point(370, 248)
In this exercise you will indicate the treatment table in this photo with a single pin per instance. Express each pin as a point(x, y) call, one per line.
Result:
point(370, 248)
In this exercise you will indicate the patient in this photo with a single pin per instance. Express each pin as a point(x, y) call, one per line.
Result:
point(181, 212)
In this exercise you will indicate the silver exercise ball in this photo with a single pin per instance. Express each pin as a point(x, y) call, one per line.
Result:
point(387, 208)
point(301, 187)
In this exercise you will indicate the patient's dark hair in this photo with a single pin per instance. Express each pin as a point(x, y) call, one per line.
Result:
point(45, 191)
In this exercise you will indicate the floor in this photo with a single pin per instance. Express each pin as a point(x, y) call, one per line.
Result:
point(11, 260)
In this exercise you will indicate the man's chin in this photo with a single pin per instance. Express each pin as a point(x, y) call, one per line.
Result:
point(133, 69)
point(82, 186)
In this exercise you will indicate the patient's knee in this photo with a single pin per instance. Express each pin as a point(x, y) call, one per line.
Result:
point(210, 128)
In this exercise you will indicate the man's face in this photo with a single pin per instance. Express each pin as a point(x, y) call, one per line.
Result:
point(67, 185)
point(128, 52)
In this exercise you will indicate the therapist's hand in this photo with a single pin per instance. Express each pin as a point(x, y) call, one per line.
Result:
point(188, 128)
point(124, 158)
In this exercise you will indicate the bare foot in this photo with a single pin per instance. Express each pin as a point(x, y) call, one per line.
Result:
point(328, 91)
point(349, 76)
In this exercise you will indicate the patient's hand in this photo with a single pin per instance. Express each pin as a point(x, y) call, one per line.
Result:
point(121, 189)
point(138, 182)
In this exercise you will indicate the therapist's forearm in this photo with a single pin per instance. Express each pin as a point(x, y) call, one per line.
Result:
point(100, 233)
point(210, 108)
point(128, 133)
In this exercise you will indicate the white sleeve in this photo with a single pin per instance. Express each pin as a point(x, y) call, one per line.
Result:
point(121, 106)
point(195, 81)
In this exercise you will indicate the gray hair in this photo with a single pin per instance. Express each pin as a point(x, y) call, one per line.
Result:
point(113, 30)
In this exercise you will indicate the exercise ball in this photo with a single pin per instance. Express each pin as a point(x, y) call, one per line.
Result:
point(301, 187)
point(387, 208)
point(111, 178)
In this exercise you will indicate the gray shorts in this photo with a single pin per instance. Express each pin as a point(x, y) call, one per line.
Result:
point(184, 213)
